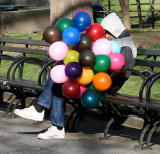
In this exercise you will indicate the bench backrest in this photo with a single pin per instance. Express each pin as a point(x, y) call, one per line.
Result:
point(17, 52)
point(149, 57)
point(6, 44)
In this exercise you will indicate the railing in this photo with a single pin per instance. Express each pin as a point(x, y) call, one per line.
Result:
point(149, 16)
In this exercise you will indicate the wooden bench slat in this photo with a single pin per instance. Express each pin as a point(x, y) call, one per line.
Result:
point(26, 84)
point(24, 50)
point(149, 63)
point(24, 41)
point(130, 102)
point(151, 52)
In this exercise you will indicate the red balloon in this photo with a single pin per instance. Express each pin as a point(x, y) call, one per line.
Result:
point(71, 88)
point(96, 31)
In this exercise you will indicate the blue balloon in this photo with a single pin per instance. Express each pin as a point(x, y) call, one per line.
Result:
point(115, 46)
point(81, 21)
point(71, 36)
point(90, 99)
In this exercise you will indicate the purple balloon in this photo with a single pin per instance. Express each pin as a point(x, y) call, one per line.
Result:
point(73, 70)
point(76, 49)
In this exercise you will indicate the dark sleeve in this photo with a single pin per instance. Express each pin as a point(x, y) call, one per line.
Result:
point(129, 60)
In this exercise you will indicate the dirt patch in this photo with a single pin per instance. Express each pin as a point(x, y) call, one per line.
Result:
point(146, 39)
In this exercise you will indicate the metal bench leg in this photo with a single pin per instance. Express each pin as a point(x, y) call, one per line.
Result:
point(1, 96)
point(141, 138)
point(75, 119)
point(70, 117)
point(155, 126)
point(9, 106)
point(15, 106)
point(107, 129)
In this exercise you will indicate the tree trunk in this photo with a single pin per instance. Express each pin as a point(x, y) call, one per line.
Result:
point(139, 13)
point(66, 8)
point(125, 12)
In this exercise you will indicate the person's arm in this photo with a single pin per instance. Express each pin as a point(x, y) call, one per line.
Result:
point(129, 60)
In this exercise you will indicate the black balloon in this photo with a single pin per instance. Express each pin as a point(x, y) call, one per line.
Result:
point(87, 58)
point(85, 42)
point(52, 34)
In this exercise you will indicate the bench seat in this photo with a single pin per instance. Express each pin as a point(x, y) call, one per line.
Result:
point(129, 101)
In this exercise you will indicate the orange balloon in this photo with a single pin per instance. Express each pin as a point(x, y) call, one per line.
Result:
point(102, 81)
point(86, 77)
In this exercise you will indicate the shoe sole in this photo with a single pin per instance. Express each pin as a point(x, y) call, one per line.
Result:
point(30, 118)
point(48, 138)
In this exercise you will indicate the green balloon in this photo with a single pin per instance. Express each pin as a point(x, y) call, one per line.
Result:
point(64, 23)
point(102, 64)
point(99, 93)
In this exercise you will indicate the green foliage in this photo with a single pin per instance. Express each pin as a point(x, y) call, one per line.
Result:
point(133, 84)
point(139, 38)
point(37, 36)
point(155, 46)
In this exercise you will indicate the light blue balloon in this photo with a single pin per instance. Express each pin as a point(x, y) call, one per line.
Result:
point(115, 46)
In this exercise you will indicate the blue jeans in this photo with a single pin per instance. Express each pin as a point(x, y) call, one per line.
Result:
point(52, 98)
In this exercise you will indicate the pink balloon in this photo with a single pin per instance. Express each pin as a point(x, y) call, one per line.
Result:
point(102, 46)
point(58, 74)
point(82, 90)
point(58, 50)
point(117, 61)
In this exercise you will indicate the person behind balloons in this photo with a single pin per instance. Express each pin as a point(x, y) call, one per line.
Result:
point(52, 97)
point(115, 30)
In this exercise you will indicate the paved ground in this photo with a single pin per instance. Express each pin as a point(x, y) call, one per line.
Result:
point(18, 136)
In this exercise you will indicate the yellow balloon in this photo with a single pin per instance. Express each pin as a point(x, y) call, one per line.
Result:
point(72, 56)
point(69, 47)
point(86, 77)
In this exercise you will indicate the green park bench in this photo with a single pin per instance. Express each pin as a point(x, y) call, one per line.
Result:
point(15, 53)
point(142, 105)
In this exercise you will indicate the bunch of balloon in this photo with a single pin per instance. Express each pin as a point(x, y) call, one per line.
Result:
point(83, 57)
point(108, 58)
point(66, 43)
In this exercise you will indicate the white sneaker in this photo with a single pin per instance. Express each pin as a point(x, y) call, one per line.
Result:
point(30, 113)
point(51, 133)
